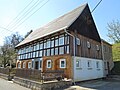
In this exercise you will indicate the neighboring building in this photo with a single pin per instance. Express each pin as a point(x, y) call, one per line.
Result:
point(107, 56)
point(70, 43)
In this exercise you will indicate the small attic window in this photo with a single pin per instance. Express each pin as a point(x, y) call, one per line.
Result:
point(78, 41)
point(97, 47)
point(88, 44)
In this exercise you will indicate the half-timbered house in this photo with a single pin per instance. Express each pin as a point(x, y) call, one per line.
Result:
point(70, 43)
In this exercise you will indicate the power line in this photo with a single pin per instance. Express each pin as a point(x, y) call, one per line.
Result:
point(31, 14)
point(19, 13)
point(27, 13)
point(6, 29)
point(96, 6)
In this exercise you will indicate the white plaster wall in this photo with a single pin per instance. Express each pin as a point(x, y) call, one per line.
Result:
point(85, 73)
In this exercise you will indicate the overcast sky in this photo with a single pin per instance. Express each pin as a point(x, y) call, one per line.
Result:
point(107, 11)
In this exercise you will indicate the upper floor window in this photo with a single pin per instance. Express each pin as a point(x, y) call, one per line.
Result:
point(88, 44)
point(37, 46)
point(56, 42)
point(61, 40)
point(61, 50)
point(41, 45)
point(97, 47)
point(78, 41)
point(48, 43)
point(52, 43)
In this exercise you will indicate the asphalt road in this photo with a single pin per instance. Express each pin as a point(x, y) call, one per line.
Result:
point(110, 84)
point(9, 85)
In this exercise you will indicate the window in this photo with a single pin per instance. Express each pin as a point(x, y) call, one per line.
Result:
point(88, 44)
point(48, 63)
point(61, 40)
point(41, 46)
point(52, 43)
point(52, 51)
point(89, 64)
point(44, 52)
point(61, 50)
point(67, 49)
point(97, 64)
point(62, 63)
point(78, 41)
point(40, 54)
point(29, 65)
point(56, 51)
point(97, 47)
point(18, 64)
point(66, 39)
point(24, 64)
point(28, 55)
point(56, 42)
point(48, 52)
point(37, 53)
point(33, 54)
point(37, 46)
point(45, 44)
point(78, 63)
point(48, 43)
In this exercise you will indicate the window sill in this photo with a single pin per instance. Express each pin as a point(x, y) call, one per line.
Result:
point(89, 68)
point(79, 68)
point(98, 69)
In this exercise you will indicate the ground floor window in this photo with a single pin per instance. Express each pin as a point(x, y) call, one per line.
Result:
point(18, 64)
point(62, 63)
point(78, 63)
point(29, 65)
point(48, 63)
point(24, 64)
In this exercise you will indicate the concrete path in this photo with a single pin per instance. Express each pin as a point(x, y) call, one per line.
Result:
point(9, 85)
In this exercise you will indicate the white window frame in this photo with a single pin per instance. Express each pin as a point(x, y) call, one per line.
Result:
point(61, 40)
point(79, 63)
point(97, 47)
point(24, 64)
point(88, 44)
point(19, 64)
point(29, 65)
point(64, 63)
point(78, 41)
point(48, 63)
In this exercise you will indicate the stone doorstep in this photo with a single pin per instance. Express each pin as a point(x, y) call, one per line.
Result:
point(45, 86)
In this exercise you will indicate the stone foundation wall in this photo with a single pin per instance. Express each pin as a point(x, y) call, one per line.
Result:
point(52, 85)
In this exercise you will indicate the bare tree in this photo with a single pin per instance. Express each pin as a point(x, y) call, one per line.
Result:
point(114, 31)
point(8, 53)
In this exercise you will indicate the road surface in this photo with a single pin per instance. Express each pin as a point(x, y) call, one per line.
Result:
point(9, 85)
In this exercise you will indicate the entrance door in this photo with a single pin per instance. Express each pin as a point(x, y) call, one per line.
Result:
point(36, 64)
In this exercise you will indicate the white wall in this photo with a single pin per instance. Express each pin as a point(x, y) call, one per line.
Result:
point(85, 72)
